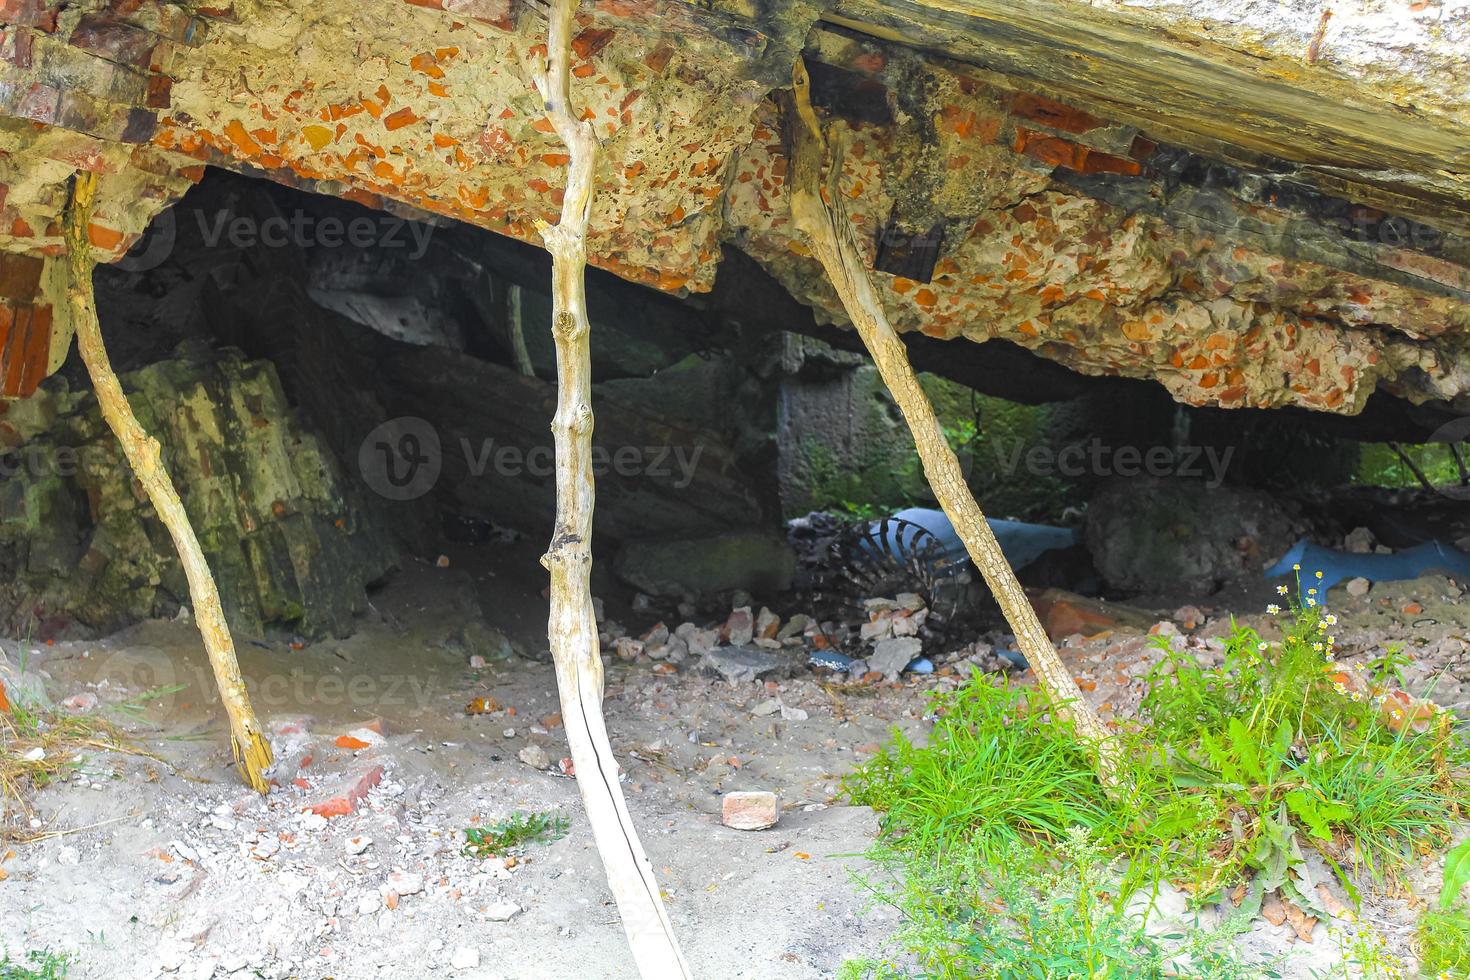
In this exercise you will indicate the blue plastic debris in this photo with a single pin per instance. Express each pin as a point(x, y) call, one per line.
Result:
point(830, 660)
point(843, 664)
point(1335, 566)
point(1013, 655)
point(1022, 543)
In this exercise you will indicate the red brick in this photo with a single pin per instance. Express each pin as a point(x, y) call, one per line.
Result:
point(1059, 152)
point(160, 92)
point(1063, 615)
point(113, 40)
point(34, 13)
point(1094, 162)
point(37, 102)
point(591, 41)
point(1049, 149)
point(750, 810)
point(16, 46)
point(1057, 115)
point(353, 793)
point(38, 351)
point(20, 276)
point(13, 357)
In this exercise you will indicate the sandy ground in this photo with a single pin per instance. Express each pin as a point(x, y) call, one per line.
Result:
point(184, 872)
point(167, 866)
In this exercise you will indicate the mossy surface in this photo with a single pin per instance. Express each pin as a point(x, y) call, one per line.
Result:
point(285, 534)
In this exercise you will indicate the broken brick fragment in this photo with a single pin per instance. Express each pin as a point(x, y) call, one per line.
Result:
point(754, 810)
point(353, 792)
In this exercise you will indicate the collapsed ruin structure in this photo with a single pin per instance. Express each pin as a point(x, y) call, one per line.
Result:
point(1254, 207)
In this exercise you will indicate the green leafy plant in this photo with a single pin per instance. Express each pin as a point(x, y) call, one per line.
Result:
point(1233, 772)
point(1365, 956)
point(1299, 751)
point(512, 834)
point(1444, 943)
point(1456, 874)
point(38, 965)
point(1039, 912)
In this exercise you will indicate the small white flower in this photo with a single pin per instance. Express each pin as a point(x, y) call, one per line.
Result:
point(1264, 646)
point(1331, 640)
point(1282, 590)
point(1311, 592)
point(1297, 567)
point(1318, 574)
point(1311, 602)
point(1273, 609)
point(1317, 647)
point(1331, 619)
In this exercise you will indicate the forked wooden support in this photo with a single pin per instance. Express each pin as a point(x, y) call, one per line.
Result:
point(252, 750)
point(819, 215)
point(573, 628)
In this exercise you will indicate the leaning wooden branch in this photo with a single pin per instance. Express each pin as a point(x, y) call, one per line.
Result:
point(252, 751)
point(819, 215)
point(573, 628)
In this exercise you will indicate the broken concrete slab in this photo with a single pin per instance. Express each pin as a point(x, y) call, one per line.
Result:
point(740, 664)
point(891, 656)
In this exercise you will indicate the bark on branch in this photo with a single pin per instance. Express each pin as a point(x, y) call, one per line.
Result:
point(572, 630)
point(819, 215)
point(252, 750)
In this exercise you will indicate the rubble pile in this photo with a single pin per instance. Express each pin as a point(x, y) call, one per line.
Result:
point(356, 854)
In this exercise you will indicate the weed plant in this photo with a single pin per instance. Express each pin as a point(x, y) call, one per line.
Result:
point(1231, 774)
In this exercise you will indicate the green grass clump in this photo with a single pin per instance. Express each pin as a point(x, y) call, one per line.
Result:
point(1036, 912)
point(998, 770)
point(513, 834)
point(1229, 776)
point(1293, 750)
point(39, 965)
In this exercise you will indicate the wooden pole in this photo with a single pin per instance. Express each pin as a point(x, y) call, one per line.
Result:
point(252, 750)
point(819, 215)
point(516, 332)
point(572, 629)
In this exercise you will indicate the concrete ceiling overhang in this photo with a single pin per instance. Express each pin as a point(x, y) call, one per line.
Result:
point(1246, 202)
